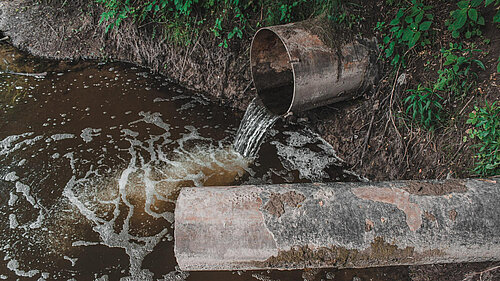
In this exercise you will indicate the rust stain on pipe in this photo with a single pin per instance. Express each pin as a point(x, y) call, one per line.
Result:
point(277, 202)
point(396, 197)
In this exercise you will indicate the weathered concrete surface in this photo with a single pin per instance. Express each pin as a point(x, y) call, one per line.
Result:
point(337, 225)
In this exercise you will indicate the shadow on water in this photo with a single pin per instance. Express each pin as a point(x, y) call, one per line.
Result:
point(92, 158)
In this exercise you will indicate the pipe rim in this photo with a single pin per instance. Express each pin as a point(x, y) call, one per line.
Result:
point(289, 62)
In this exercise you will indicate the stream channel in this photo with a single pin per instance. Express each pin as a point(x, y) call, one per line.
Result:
point(93, 155)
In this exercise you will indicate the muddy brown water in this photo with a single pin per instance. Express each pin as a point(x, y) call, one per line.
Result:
point(93, 155)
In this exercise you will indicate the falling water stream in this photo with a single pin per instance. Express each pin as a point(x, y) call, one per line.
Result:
point(253, 127)
point(93, 156)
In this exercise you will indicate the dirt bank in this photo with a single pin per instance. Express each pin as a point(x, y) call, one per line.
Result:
point(72, 32)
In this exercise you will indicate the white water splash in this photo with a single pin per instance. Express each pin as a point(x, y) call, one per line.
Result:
point(256, 121)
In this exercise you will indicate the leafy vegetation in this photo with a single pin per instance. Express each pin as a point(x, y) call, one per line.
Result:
point(467, 19)
point(226, 19)
point(486, 122)
point(410, 27)
point(424, 106)
point(457, 78)
point(455, 81)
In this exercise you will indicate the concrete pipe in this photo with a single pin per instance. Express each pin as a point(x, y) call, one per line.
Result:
point(304, 65)
point(341, 225)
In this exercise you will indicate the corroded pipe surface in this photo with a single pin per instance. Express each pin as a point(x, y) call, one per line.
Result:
point(337, 225)
point(304, 65)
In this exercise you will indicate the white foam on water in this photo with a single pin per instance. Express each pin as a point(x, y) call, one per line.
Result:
point(89, 133)
point(102, 278)
point(13, 265)
point(12, 199)
point(161, 100)
point(128, 205)
point(39, 220)
point(71, 260)
point(150, 177)
point(58, 137)
point(10, 144)
point(84, 243)
point(11, 177)
point(44, 276)
point(25, 190)
point(13, 221)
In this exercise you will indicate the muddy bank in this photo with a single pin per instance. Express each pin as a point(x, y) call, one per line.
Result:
point(72, 32)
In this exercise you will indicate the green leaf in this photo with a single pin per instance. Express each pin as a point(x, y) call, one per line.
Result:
point(468, 34)
point(390, 50)
point(473, 14)
point(394, 22)
point(488, 2)
point(475, 3)
point(394, 29)
point(460, 20)
point(480, 64)
point(419, 17)
point(400, 14)
point(496, 18)
point(498, 67)
point(480, 20)
point(407, 35)
point(455, 34)
point(425, 25)
point(399, 33)
point(395, 60)
point(414, 40)
point(463, 4)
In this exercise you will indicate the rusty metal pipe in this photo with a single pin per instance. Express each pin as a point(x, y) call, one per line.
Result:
point(337, 225)
point(304, 65)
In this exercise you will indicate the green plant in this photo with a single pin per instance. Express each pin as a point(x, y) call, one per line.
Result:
point(181, 20)
point(498, 65)
point(468, 19)
point(410, 27)
point(486, 128)
point(424, 105)
point(457, 76)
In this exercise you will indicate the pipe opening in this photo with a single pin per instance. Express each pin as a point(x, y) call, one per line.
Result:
point(272, 71)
